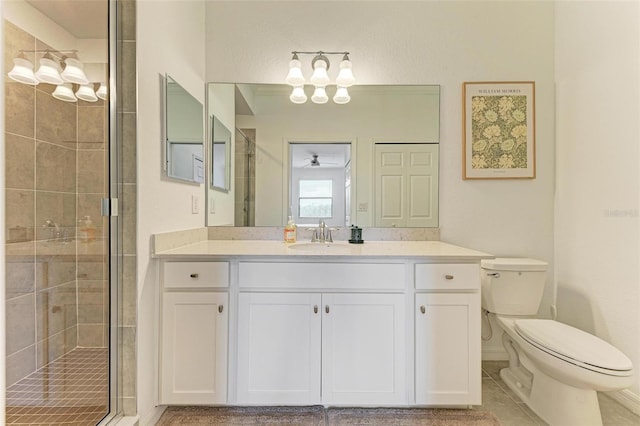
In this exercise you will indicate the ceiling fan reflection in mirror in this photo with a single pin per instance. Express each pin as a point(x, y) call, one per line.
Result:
point(314, 162)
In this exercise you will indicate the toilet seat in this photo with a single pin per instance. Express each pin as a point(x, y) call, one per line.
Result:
point(574, 346)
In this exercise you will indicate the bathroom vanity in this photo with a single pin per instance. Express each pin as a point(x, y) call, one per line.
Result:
point(393, 323)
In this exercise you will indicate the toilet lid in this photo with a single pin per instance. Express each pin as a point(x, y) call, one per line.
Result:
point(574, 345)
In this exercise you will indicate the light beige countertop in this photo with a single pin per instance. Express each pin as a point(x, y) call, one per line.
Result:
point(435, 250)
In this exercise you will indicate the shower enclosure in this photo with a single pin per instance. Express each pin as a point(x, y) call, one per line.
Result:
point(245, 177)
point(59, 334)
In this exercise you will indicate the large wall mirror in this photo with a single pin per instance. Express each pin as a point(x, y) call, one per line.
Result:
point(184, 134)
point(365, 155)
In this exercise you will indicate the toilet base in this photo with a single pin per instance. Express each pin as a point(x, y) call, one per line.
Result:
point(554, 402)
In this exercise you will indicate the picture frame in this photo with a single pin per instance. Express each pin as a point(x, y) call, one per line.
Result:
point(498, 128)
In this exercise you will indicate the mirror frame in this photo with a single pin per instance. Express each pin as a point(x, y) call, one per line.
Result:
point(213, 104)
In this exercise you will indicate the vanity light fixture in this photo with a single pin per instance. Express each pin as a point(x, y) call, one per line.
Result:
point(60, 68)
point(320, 78)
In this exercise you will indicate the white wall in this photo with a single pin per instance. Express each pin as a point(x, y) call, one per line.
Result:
point(170, 39)
point(597, 198)
point(421, 42)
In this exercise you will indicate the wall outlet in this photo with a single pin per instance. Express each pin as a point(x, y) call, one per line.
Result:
point(212, 206)
point(195, 204)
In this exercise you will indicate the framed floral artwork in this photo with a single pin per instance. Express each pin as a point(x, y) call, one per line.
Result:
point(499, 138)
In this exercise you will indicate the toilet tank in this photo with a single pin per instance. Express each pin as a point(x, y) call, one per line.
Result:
point(512, 286)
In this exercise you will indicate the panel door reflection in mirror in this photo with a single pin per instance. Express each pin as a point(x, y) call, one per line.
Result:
point(184, 134)
point(220, 155)
point(376, 114)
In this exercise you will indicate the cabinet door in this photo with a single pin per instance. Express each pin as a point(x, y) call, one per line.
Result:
point(194, 348)
point(363, 349)
point(447, 360)
point(279, 348)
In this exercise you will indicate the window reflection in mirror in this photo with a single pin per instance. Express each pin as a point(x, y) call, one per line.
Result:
point(184, 134)
point(320, 180)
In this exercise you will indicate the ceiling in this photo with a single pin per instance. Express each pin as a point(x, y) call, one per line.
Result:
point(330, 155)
point(81, 18)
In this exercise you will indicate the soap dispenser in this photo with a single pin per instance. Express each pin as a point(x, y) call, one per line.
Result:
point(290, 231)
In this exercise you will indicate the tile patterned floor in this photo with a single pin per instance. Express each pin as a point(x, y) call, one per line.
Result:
point(511, 411)
point(72, 390)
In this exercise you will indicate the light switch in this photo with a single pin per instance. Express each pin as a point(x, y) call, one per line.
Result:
point(363, 207)
point(195, 204)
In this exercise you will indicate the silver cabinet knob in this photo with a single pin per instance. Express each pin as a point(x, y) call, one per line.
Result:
point(326, 308)
point(448, 277)
point(315, 309)
point(423, 309)
point(220, 308)
point(193, 275)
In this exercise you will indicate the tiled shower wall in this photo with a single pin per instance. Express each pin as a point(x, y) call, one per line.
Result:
point(245, 178)
point(56, 287)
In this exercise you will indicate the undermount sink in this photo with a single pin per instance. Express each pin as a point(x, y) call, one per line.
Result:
point(324, 248)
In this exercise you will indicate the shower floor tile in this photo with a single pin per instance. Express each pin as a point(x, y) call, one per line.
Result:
point(72, 390)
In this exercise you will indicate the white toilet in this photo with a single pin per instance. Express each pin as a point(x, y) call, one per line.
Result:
point(554, 368)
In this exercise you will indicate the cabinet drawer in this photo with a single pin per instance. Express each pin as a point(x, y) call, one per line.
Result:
point(371, 276)
point(196, 274)
point(447, 276)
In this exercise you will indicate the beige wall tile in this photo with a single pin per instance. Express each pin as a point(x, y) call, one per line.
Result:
point(20, 211)
point(20, 274)
point(50, 349)
point(57, 270)
point(20, 327)
point(91, 173)
point(129, 407)
point(129, 292)
point(19, 162)
point(129, 154)
point(55, 168)
point(127, 19)
point(91, 295)
point(129, 361)
point(91, 335)
point(57, 207)
point(19, 109)
point(20, 364)
point(128, 206)
point(56, 310)
point(91, 267)
point(127, 76)
point(91, 122)
point(56, 120)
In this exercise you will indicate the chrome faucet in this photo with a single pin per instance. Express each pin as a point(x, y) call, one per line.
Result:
point(321, 234)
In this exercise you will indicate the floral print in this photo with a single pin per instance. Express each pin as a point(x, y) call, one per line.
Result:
point(499, 132)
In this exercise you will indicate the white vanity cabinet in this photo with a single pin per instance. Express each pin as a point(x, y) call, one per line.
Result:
point(334, 348)
point(194, 333)
point(447, 334)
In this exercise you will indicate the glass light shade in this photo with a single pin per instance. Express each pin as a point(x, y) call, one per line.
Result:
point(102, 92)
point(320, 77)
point(341, 96)
point(85, 92)
point(22, 72)
point(48, 71)
point(298, 96)
point(73, 72)
point(64, 92)
point(345, 76)
point(319, 96)
point(295, 77)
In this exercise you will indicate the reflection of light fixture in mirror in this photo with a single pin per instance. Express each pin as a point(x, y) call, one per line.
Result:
point(64, 92)
point(298, 96)
point(48, 72)
point(102, 91)
point(85, 92)
point(319, 96)
point(320, 78)
point(341, 96)
point(73, 72)
point(22, 71)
